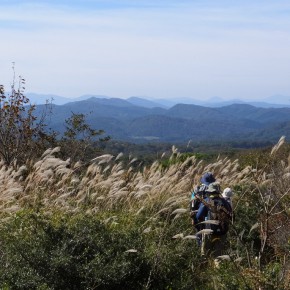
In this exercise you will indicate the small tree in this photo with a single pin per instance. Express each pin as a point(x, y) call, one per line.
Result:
point(21, 134)
point(79, 137)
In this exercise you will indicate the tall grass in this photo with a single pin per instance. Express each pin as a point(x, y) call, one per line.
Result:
point(110, 187)
point(107, 182)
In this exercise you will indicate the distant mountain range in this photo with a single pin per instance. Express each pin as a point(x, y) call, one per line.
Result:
point(277, 101)
point(141, 120)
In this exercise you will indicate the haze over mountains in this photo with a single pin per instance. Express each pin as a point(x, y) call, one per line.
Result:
point(276, 101)
point(140, 120)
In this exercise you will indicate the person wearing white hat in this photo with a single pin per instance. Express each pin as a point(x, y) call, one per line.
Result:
point(227, 195)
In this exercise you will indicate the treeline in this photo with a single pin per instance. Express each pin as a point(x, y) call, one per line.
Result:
point(181, 123)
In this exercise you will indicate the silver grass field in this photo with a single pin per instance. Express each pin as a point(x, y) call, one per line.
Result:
point(106, 183)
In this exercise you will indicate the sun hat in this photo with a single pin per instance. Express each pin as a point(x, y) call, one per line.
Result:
point(207, 178)
point(227, 192)
point(213, 188)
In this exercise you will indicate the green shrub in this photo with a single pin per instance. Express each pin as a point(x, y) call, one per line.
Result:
point(79, 251)
point(63, 252)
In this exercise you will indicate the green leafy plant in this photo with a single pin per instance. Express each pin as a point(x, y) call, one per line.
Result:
point(22, 135)
point(79, 137)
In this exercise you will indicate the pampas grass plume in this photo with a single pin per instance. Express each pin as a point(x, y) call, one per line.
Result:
point(178, 236)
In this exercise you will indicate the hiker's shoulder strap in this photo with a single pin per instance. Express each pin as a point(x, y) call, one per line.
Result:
point(202, 211)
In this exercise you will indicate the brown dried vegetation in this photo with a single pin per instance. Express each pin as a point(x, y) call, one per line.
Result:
point(107, 185)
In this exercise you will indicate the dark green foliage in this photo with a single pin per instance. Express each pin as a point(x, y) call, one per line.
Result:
point(257, 158)
point(23, 135)
point(60, 251)
point(78, 138)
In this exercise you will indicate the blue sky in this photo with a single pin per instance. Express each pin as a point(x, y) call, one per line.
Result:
point(158, 49)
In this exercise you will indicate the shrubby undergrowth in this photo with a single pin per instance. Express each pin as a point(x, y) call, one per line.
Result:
point(107, 225)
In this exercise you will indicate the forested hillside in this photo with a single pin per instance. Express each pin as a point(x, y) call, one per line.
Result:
point(125, 121)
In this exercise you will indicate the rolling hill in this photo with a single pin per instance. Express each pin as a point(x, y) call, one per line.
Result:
point(123, 120)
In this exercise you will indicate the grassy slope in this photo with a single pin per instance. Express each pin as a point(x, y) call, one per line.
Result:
point(109, 226)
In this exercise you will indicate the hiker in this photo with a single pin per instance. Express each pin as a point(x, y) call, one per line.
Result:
point(199, 191)
point(216, 209)
point(227, 195)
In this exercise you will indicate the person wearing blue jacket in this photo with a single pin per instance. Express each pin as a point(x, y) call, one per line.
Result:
point(214, 243)
point(196, 195)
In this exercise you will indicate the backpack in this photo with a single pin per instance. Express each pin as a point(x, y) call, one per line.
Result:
point(219, 210)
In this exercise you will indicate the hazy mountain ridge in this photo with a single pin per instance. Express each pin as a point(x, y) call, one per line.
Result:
point(124, 121)
point(276, 101)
